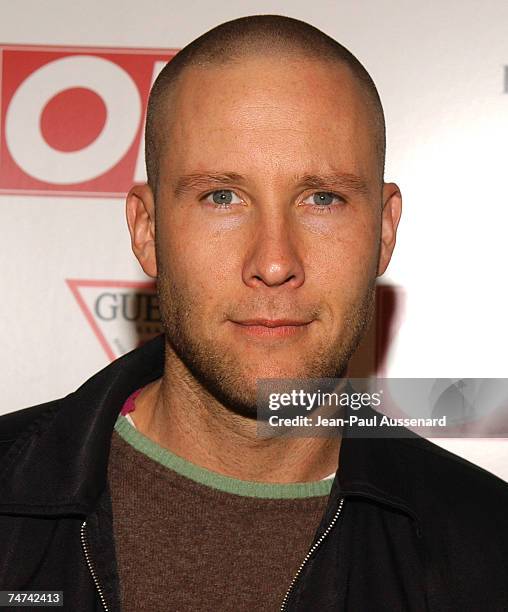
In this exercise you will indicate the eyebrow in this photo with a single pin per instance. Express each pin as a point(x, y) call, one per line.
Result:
point(197, 180)
point(342, 180)
point(334, 180)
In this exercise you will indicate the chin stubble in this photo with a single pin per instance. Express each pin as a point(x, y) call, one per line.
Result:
point(218, 371)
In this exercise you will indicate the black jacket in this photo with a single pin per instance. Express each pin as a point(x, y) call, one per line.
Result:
point(408, 527)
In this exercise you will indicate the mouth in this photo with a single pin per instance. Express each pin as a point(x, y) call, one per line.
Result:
point(271, 328)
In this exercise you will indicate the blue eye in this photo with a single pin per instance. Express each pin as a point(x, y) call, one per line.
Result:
point(223, 198)
point(323, 198)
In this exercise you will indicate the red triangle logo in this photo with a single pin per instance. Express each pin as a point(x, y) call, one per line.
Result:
point(122, 314)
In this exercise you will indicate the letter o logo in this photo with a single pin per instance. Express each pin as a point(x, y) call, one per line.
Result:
point(22, 126)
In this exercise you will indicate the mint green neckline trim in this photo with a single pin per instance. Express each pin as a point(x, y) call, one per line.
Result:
point(214, 480)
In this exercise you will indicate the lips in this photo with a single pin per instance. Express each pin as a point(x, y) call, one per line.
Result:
point(272, 322)
point(271, 328)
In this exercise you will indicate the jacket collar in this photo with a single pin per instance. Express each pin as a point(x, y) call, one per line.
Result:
point(58, 465)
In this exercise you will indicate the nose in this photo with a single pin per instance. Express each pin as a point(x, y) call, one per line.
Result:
point(273, 259)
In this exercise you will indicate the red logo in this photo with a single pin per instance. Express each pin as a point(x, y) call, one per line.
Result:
point(122, 314)
point(372, 356)
point(72, 118)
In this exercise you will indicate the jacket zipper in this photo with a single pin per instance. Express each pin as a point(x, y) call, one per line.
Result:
point(313, 549)
point(90, 566)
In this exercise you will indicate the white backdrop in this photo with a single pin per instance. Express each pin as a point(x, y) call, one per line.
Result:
point(66, 263)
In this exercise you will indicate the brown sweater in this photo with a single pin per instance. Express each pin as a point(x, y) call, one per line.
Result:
point(190, 539)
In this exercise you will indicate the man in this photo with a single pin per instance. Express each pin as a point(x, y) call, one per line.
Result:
point(266, 221)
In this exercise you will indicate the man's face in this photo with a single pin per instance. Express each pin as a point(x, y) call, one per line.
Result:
point(257, 222)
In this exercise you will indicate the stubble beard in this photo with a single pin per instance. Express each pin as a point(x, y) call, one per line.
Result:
point(221, 374)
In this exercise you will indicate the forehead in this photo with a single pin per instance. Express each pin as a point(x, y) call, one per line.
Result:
point(285, 113)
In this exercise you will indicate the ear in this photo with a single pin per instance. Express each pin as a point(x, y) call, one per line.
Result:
point(140, 212)
point(390, 216)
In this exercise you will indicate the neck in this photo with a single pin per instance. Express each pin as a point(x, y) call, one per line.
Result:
point(178, 414)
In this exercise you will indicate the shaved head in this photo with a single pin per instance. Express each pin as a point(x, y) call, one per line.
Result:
point(245, 38)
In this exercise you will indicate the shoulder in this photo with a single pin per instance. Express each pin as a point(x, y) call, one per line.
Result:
point(458, 471)
point(450, 490)
point(14, 424)
point(463, 512)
